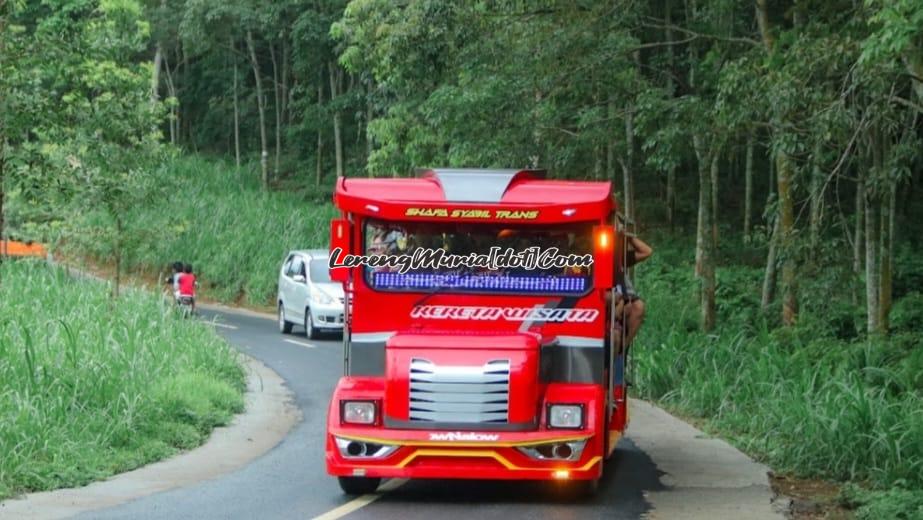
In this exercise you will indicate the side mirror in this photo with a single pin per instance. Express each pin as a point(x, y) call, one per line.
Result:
point(339, 242)
point(299, 278)
point(603, 256)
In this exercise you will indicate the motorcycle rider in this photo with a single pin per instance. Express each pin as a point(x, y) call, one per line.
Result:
point(187, 285)
point(174, 277)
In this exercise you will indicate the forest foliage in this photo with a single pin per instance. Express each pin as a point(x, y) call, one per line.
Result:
point(795, 122)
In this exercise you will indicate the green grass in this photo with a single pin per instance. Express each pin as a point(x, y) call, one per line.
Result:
point(218, 219)
point(90, 387)
point(817, 401)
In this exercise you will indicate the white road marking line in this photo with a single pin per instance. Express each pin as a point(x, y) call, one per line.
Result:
point(302, 343)
point(223, 325)
point(361, 501)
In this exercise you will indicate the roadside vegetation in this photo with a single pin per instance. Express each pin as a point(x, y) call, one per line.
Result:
point(817, 400)
point(216, 218)
point(91, 386)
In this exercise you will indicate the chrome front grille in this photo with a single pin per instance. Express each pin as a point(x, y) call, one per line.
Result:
point(459, 394)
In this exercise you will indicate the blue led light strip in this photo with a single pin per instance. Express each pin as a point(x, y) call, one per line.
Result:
point(526, 284)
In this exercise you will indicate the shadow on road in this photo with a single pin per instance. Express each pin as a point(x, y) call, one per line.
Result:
point(626, 477)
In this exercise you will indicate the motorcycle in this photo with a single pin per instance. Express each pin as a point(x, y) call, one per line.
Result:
point(186, 305)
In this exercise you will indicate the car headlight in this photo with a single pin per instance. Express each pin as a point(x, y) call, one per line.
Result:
point(568, 416)
point(358, 412)
point(321, 298)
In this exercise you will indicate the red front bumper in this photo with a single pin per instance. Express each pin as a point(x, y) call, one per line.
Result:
point(468, 455)
point(468, 461)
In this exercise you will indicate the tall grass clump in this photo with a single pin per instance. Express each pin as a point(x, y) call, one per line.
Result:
point(805, 400)
point(217, 218)
point(91, 386)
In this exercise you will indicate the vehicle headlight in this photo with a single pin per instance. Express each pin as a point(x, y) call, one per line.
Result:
point(358, 412)
point(565, 416)
point(321, 297)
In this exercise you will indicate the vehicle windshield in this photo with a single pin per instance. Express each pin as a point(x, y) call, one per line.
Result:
point(491, 258)
point(320, 270)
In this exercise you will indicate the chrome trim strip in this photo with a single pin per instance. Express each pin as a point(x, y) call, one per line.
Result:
point(580, 341)
point(372, 336)
point(471, 427)
point(459, 393)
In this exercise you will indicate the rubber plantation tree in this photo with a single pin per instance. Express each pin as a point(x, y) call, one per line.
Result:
point(897, 37)
point(30, 61)
point(478, 84)
point(93, 138)
point(320, 77)
point(208, 25)
point(114, 143)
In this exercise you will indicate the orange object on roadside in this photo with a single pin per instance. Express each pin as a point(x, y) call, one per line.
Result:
point(14, 248)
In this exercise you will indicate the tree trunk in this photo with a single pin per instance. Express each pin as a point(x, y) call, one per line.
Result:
point(913, 60)
point(714, 201)
point(335, 80)
point(748, 188)
point(858, 251)
point(320, 136)
point(277, 105)
point(769, 277)
point(155, 74)
point(771, 190)
point(174, 113)
point(704, 264)
point(368, 119)
point(610, 145)
point(183, 69)
point(236, 107)
point(817, 195)
point(762, 20)
point(784, 179)
point(872, 272)
point(886, 258)
point(784, 174)
point(261, 106)
point(629, 165)
point(671, 197)
point(671, 90)
point(158, 62)
point(285, 73)
point(597, 162)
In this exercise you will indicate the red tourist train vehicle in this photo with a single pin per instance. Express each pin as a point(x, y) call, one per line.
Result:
point(472, 372)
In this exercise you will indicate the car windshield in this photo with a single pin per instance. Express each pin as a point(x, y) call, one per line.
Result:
point(492, 258)
point(320, 271)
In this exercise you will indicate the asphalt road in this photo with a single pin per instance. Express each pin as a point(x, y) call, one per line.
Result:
point(290, 481)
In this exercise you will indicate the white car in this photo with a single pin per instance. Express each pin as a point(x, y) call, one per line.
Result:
point(307, 296)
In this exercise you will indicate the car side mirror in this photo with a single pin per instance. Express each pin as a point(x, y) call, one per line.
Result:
point(299, 278)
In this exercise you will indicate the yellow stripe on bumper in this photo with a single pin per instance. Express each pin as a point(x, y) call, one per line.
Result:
point(482, 453)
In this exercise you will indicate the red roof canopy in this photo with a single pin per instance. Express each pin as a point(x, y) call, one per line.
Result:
point(491, 195)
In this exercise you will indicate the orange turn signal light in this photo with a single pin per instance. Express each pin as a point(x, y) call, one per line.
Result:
point(604, 238)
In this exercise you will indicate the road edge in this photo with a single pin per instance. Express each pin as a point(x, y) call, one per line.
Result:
point(268, 417)
point(704, 477)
